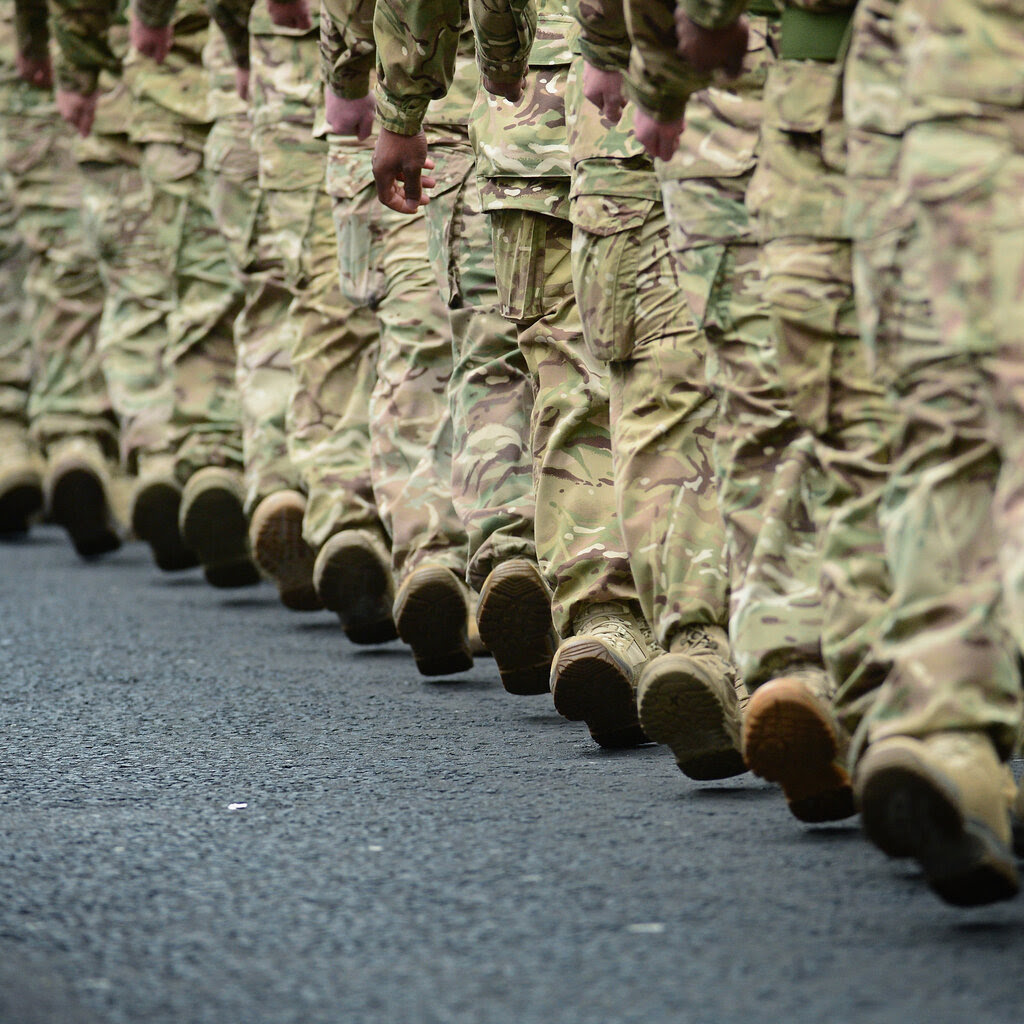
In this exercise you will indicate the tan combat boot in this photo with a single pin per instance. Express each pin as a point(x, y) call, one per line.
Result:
point(791, 737)
point(353, 579)
point(594, 672)
point(692, 700)
point(514, 619)
point(155, 510)
point(945, 801)
point(432, 617)
point(79, 496)
point(214, 526)
point(278, 547)
point(21, 481)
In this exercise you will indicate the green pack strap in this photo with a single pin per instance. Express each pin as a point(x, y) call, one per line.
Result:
point(814, 35)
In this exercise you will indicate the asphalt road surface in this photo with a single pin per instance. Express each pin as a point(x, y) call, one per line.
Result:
point(216, 810)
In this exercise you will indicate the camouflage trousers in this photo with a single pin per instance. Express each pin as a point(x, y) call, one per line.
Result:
point(799, 192)
point(491, 391)
point(580, 546)
point(333, 356)
point(954, 506)
point(663, 415)
point(384, 268)
point(63, 287)
point(762, 455)
point(167, 325)
point(262, 329)
point(15, 341)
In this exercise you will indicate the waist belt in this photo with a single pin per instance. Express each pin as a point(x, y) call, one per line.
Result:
point(814, 35)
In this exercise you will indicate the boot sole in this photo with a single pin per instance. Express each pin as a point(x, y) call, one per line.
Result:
point(514, 619)
point(79, 504)
point(215, 529)
point(786, 741)
point(681, 712)
point(357, 588)
point(18, 505)
point(908, 813)
point(281, 552)
point(431, 619)
point(155, 521)
point(590, 685)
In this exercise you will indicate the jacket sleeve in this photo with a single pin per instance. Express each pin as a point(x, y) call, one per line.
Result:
point(81, 29)
point(154, 13)
point(504, 31)
point(604, 41)
point(713, 13)
point(347, 48)
point(32, 30)
point(660, 82)
point(232, 18)
point(417, 41)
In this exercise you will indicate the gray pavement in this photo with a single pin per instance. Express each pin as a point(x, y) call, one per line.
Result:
point(215, 810)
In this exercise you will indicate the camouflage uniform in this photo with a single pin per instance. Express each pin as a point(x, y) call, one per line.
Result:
point(167, 338)
point(18, 454)
point(761, 453)
point(384, 267)
point(490, 391)
point(331, 355)
point(64, 291)
point(952, 506)
point(262, 331)
point(663, 415)
point(797, 196)
point(522, 159)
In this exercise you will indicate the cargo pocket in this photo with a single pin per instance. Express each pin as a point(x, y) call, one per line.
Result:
point(605, 261)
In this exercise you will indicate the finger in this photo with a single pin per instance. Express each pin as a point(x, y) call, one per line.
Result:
point(426, 182)
point(428, 164)
point(413, 185)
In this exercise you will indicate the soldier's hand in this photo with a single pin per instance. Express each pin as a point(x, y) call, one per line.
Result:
point(242, 83)
point(712, 49)
point(659, 138)
point(290, 14)
point(350, 117)
point(36, 71)
point(154, 43)
point(604, 90)
point(509, 90)
point(78, 109)
point(398, 164)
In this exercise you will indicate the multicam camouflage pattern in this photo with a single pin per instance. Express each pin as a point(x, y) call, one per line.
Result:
point(133, 330)
point(384, 267)
point(15, 339)
point(580, 545)
point(952, 508)
point(330, 348)
point(167, 333)
point(262, 333)
point(662, 413)
point(62, 285)
point(205, 297)
point(491, 391)
point(286, 95)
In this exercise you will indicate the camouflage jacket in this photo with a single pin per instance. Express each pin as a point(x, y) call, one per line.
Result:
point(232, 18)
point(170, 98)
point(348, 54)
point(23, 31)
point(82, 31)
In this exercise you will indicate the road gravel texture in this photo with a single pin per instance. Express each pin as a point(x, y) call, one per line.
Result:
point(216, 810)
